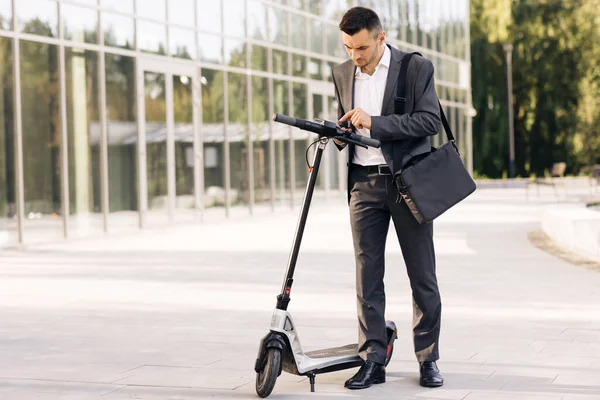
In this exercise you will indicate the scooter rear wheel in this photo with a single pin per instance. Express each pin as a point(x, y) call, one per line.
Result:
point(266, 378)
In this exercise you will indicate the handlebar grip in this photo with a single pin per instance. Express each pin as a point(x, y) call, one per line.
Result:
point(284, 119)
point(367, 141)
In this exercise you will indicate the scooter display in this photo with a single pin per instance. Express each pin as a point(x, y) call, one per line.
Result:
point(280, 349)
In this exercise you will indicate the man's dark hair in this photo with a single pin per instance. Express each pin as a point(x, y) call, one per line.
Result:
point(358, 18)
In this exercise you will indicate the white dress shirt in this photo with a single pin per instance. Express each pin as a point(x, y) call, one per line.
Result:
point(368, 95)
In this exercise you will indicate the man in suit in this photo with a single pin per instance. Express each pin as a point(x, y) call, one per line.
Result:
point(366, 89)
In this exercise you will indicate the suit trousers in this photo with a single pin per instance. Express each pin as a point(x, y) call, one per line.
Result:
point(372, 204)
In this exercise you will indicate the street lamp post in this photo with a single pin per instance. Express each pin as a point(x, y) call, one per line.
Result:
point(511, 130)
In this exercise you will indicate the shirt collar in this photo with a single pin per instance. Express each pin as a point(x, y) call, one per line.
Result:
point(385, 61)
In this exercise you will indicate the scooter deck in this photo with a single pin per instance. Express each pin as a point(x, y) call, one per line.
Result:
point(342, 351)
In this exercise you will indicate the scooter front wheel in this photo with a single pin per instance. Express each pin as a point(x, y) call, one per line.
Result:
point(266, 378)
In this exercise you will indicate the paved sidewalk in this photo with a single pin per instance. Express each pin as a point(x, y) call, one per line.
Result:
point(178, 313)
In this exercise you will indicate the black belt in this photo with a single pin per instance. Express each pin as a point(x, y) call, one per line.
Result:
point(374, 169)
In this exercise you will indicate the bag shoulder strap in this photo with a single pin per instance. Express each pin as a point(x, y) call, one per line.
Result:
point(400, 100)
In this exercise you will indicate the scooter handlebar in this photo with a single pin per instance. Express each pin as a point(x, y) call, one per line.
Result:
point(328, 129)
point(285, 119)
point(367, 141)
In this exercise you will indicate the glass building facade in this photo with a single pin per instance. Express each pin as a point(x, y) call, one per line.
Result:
point(124, 114)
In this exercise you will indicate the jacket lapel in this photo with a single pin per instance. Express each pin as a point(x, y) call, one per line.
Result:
point(347, 87)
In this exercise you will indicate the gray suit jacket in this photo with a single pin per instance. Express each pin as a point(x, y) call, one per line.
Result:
point(402, 136)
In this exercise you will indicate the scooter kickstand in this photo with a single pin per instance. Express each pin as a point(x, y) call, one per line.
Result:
point(311, 377)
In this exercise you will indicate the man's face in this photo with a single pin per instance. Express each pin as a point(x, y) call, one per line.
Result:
point(363, 47)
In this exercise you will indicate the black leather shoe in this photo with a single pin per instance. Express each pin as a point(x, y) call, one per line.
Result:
point(369, 374)
point(430, 374)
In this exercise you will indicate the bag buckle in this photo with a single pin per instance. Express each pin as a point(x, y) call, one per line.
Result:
point(381, 171)
point(400, 100)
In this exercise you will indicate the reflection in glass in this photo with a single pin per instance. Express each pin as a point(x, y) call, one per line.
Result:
point(281, 135)
point(118, 30)
point(151, 37)
point(212, 128)
point(124, 6)
point(182, 43)
point(300, 97)
point(260, 138)
point(5, 14)
point(181, 12)
point(257, 21)
point(8, 216)
point(280, 62)
point(153, 9)
point(235, 53)
point(334, 41)
point(278, 27)
point(38, 17)
point(260, 56)
point(84, 141)
point(41, 141)
point(299, 26)
point(238, 133)
point(122, 141)
point(183, 107)
point(316, 36)
point(156, 145)
point(298, 65)
point(209, 15)
point(210, 48)
point(314, 69)
point(80, 24)
point(234, 19)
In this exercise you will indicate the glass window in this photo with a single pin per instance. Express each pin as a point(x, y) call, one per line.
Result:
point(8, 216)
point(316, 36)
point(315, 6)
point(238, 132)
point(182, 43)
point(299, 65)
point(183, 107)
point(259, 56)
point(151, 37)
point(5, 14)
point(41, 141)
point(209, 15)
point(300, 111)
point(260, 138)
point(156, 146)
point(235, 53)
point(121, 114)
point(118, 30)
point(181, 12)
point(299, 25)
point(335, 45)
point(210, 48)
point(335, 9)
point(280, 62)
point(281, 136)
point(278, 26)
point(38, 17)
point(84, 142)
point(124, 6)
point(153, 9)
point(234, 17)
point(80, 24)
point(257, 20)
point(314, 69)
point(213, 133)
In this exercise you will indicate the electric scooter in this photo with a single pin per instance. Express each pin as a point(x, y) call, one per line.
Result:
point(280, 349)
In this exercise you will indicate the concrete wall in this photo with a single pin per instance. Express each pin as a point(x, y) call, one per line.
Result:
point(574, 228)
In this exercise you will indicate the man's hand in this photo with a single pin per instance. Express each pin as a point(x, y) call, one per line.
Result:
point(358, 117)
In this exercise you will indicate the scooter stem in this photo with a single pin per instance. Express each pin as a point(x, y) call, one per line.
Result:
point(284, 297)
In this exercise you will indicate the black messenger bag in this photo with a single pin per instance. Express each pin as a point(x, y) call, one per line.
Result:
point(433, 182)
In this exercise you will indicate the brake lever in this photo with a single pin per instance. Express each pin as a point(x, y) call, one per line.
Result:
point(345, 139)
